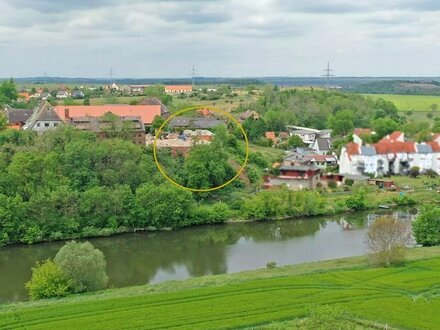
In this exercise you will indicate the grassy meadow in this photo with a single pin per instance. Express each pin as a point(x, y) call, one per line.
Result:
point(410, 102)
point(401, 297)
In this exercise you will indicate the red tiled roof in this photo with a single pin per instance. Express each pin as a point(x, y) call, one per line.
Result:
point(434, 145)
point(362, 131)
point(146, 112)
point(392, 137)
point(205, 112)
point(178, 88)
point(352, 148)
point(270, 136)
point(385, 146)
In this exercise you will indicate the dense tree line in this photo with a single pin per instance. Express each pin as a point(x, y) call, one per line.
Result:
point(320, 109)
point(67, 183)
point(402, 87)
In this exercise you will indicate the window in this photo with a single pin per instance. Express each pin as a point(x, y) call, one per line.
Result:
point(55, 124)
point(46, 124)
point(38, 124)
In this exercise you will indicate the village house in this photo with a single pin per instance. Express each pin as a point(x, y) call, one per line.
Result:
point(249, 114)
point(391, 155)
point(178, 89)
point(24, 96)
point(77, 94)
point(110, 125)
point(17, 117)
point(319, 140)
point(271, 136)
point(137, 89)
point(62, 94)
point(295, 177)
point(307, 156)
point(43, 118)
point(322, 146)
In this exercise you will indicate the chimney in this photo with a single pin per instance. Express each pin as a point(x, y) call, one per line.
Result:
point(66, 113)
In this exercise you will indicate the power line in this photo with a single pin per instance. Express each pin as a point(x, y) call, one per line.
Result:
point(111, 73)
point(328, 71)
point(193, 74)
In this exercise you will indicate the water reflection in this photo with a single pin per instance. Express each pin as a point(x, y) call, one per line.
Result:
point(142, 258)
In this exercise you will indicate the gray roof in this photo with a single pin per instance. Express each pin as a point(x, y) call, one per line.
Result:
point(179, 122)
point(44, 113)
point(294, 156)
point(155, 101)
point(424, 148)
point(207, 123)
point(299, 168)
point(323, 144)
point(368, 150)
point(18, 115)
point(355, 177)
point(47, 114)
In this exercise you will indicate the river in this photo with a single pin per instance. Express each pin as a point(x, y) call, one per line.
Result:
point(153, 257)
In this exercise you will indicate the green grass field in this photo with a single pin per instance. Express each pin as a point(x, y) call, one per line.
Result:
point(402, 297)
point(410, 102)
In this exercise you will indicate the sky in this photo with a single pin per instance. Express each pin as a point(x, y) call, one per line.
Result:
point(221, 38)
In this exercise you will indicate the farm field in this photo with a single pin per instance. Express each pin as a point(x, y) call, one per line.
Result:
point(410, 102)
point(401, 297)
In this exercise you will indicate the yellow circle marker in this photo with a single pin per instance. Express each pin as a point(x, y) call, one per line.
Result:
point(228, 115)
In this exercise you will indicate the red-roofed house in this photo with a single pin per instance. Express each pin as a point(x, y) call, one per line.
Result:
point(271, 136)
point(145, 112)
point(206, 112)
point(177, 89)
point(395, 137)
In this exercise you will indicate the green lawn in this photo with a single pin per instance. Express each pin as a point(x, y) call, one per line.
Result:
point(410, 102)
point(404, 297)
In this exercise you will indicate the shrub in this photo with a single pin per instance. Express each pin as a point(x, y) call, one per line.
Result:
point(48, 280)
point(83, 265)
point(386, 239)
point(414, 171)
point(430, 173)
point(271, 264)
point(404, 200)
point(257, 158)
point(426, 228)
point(356, 202)
point(332, 184)
point(349, 182)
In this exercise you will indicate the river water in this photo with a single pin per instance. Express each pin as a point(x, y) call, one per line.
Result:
point(153, 257)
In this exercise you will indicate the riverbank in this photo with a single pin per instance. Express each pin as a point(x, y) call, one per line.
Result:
point(334, 204)
point(393, 296)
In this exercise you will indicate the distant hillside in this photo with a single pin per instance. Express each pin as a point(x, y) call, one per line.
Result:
point(402, 87)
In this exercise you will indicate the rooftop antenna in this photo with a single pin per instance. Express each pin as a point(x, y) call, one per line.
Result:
point(328, 73)
point(193, 74)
